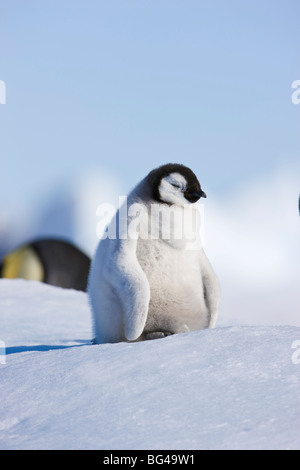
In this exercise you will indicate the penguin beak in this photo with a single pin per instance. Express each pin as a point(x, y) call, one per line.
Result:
point(199, 194)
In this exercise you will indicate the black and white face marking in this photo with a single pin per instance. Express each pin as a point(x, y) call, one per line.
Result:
point(172, 189)
point(175, 184)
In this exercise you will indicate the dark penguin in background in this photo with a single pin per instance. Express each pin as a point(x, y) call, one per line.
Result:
point(53, 261)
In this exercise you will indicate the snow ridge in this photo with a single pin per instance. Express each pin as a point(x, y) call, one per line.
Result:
point(235, 387)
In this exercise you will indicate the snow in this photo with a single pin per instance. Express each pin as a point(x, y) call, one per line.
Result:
point(233, 387)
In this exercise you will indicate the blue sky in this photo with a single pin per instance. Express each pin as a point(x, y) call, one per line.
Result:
point(127, 85)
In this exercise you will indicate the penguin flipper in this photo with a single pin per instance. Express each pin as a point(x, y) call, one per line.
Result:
point(211, 289)
point(130, 280)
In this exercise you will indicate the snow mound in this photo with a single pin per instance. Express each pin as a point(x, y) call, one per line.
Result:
point(233, 387)
point(33, 313)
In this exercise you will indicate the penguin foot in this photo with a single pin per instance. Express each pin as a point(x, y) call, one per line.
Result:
point(156, 335)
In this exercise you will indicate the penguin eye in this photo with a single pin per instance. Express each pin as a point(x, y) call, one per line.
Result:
point(176, 185)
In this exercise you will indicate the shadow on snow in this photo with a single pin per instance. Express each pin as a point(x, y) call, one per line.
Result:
point(43, 347)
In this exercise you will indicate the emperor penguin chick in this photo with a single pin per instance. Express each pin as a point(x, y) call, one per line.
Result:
point(153, 278)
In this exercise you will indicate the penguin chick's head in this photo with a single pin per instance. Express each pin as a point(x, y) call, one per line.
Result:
point(175, 184)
